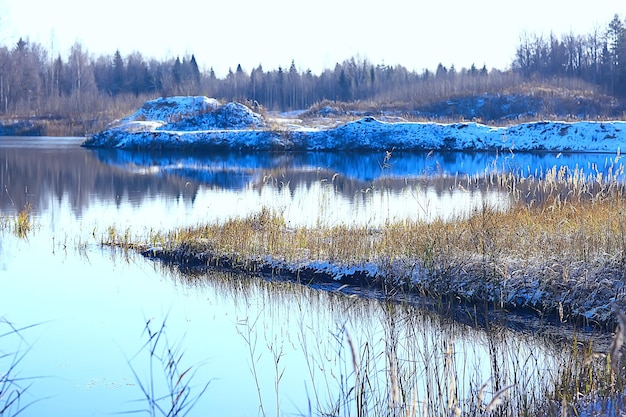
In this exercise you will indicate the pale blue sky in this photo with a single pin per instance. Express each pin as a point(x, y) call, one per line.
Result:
point(315, 33)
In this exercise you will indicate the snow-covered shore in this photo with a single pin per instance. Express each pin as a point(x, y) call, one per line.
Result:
point(202, 123)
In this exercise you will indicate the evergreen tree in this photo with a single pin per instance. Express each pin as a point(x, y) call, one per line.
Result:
point(177, 72)
point(611, 54)
point(24, 76)
point(280, 88)
point(618, 46)
point(119, 74)
point(195, 71)
point(137, 76)
point(344, 86)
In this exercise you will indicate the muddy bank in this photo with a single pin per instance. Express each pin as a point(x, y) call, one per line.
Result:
point(473, 292)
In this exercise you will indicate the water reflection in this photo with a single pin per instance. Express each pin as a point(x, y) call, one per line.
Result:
point(41, 171)
point(361, 167)
point(302, 347)
point(56, 175)
point(278, 346)
point(301, 340)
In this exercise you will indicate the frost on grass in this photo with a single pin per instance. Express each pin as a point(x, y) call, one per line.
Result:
point(566, 291)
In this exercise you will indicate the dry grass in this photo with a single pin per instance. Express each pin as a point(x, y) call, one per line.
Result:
point(559, 249)
point(168, 390)
point(14, 387)
point(20, 224)
point(23, 222)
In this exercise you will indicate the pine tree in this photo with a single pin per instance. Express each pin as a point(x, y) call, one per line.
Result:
point(177, 72)
point(344, 86)
point(195, 71)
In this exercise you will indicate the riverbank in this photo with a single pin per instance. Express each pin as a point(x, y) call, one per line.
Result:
point(203, 123)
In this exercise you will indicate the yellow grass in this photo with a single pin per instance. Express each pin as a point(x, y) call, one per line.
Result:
point(564, 233)
point(20, 224)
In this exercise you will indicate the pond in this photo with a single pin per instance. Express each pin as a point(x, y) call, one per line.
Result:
point(264, 348)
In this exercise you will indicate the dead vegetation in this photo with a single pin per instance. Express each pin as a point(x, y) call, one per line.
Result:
point(559, 250)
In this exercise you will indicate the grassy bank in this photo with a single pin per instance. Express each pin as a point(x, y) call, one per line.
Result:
point(559, 250)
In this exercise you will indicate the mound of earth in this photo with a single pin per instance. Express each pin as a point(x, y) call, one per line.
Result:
point(188, 113)
point(21, 128)
point(169, 109)
point(228, 116)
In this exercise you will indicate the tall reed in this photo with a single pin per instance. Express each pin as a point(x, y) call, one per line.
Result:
point(167, 389)
point(13, 387)
point(20, 224)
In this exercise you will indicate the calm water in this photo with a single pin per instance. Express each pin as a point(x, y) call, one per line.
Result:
point(266, 348)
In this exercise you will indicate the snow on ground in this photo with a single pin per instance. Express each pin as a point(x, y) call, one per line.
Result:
point(166, 109)
point(201, 122)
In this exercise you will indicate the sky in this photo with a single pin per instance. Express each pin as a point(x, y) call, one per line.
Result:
point(315, 34)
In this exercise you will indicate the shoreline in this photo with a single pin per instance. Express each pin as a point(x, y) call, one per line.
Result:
point(202, 123)
point(468, 306)
point(370, 134)
point(471, 313)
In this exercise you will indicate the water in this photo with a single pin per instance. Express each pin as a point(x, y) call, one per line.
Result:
point(266, 348)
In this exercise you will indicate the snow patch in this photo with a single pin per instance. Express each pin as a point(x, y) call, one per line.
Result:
point(195, 122)
point(167, 109)
point(229, 116)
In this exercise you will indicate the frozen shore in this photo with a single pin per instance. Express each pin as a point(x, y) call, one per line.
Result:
point(202, 123)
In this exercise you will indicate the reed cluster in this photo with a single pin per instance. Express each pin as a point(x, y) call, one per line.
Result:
point(23, 222)
point(559, 247)
point(19, 224)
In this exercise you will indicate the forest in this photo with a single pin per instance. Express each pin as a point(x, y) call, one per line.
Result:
point(88, 90)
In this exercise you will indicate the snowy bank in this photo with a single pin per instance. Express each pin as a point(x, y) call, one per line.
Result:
point(531, 286)
point(202, 123)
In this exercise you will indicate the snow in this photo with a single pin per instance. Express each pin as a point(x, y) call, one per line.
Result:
point(165, 109)
point(229, 116)
point(202, 122)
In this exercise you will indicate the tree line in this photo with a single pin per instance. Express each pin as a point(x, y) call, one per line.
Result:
point(34, 83)
point(598, 57)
